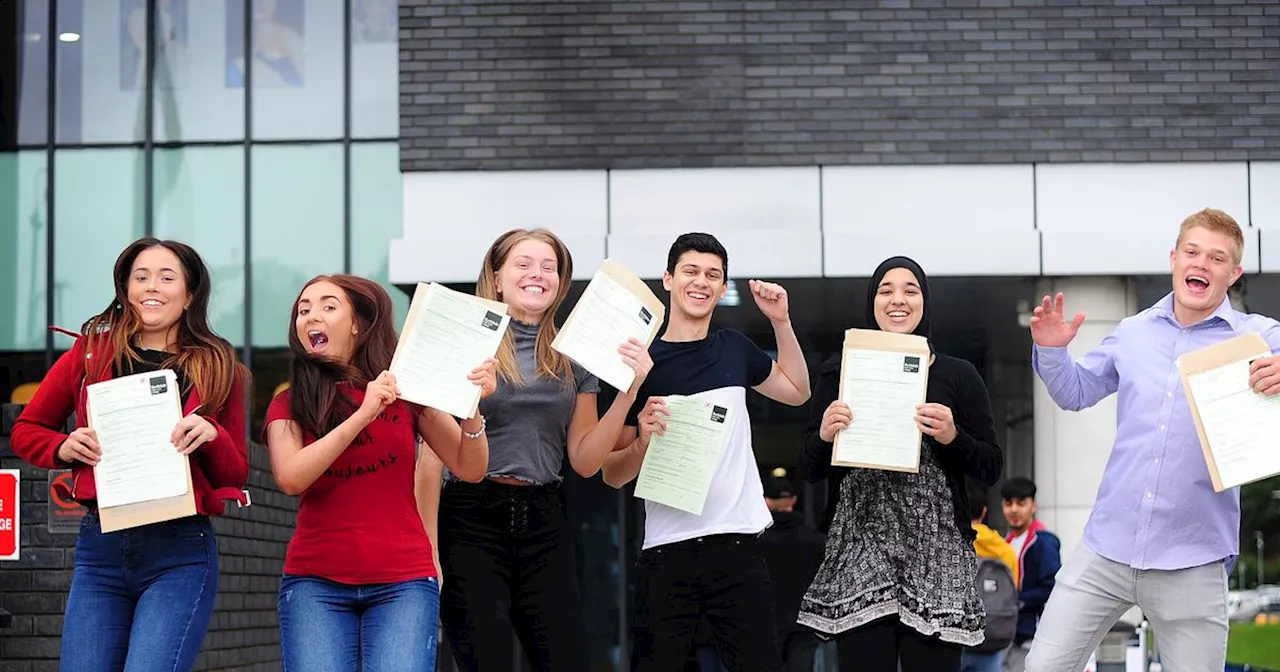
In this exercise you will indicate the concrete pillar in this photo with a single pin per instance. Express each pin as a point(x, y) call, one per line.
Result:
point(1071, 448)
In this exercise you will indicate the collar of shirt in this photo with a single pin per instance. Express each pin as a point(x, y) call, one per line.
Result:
point(1224, 312)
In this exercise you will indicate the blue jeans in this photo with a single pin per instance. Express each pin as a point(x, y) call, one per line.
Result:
point(981, 662)
point(387, 627)
point(140, 598)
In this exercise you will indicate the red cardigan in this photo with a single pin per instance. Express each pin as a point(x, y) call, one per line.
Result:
point(219, 469)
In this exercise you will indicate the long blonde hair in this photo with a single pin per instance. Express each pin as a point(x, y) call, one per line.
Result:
point(549, 362)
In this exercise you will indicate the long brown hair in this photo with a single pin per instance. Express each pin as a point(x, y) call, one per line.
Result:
point(549, 362)
point(314, 400)
point(207, 360)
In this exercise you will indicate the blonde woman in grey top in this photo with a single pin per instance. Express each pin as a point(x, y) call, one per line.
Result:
point(506, 554)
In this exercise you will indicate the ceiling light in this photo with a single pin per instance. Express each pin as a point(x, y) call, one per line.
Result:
point(69, 37)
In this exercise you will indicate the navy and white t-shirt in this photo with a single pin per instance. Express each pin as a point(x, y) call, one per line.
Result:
point(719, 369)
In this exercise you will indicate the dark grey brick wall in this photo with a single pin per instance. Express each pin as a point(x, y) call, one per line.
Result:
point(243, 636)
point(508, 84)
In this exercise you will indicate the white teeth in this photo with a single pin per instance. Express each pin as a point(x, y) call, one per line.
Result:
point(1197, 277)
point(533, 289)
point(897, 313)
point(699, 296)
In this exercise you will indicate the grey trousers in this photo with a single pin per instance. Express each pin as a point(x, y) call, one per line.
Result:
point(1187, 609)
point(1015, 659)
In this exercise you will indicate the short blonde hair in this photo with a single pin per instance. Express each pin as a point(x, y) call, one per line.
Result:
point(1216, 221)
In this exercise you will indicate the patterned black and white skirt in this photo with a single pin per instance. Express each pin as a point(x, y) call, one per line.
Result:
point(893, 548)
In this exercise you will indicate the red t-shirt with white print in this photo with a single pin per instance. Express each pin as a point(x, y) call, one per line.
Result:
point(358, 523)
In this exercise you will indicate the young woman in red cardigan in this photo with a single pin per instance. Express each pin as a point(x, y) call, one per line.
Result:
point(141, 598)
point(360, 590)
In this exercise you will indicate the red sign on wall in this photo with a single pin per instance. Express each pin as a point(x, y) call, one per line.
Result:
point(64, 513)
point(9, 512)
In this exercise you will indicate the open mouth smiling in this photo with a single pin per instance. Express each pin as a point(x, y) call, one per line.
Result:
point(318, 339)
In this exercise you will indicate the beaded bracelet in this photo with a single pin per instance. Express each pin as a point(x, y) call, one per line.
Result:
point(476, 435)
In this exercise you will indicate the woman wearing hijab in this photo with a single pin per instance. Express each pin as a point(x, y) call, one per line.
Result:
point(897, 584)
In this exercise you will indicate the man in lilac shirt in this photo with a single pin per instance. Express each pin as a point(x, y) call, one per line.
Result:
point(1159, 537)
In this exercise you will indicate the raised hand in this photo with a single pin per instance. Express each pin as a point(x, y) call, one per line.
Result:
point(636, 356)
point(652, 420)
point(771, 298)
point(1049, 328)
point(1264, 376)
point(486, 377)
point(380, 393)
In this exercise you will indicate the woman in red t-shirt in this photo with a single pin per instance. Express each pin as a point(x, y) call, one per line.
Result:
point(141, 597)
point(360, 589)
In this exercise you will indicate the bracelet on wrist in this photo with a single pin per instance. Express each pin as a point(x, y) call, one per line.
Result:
point(476, 434)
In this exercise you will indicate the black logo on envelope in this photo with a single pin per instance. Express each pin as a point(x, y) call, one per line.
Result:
point(910, 364)
point(491, 320)
point(159, 385)
point(718, 413)
point(645, 315)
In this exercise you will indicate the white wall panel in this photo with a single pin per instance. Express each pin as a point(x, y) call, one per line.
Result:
point(954, 220)
point(940, 253)
point(752, 254)
point(451, 218)
point(767, 218)
point(1110, 197)
point(681, 200)
point(976, 199)
point(1122, 252)
point(1054, 220)
point(1264, 195)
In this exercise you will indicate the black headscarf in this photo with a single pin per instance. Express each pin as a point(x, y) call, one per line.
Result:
point(887, 265)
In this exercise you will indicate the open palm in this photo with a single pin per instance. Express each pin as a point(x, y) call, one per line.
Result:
point(1049, 328)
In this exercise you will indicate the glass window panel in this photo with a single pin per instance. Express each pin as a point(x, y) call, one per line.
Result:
point(297, 67)
point(100, 70)
point(99, 210)
point(192, 99)
point(24, 181)
point(198, 198)
point(270, 368)
point(375, 69)
point(33, 75)
point(296, 225)
point(375, 214)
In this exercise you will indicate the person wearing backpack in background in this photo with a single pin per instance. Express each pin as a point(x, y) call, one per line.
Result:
point(997, 583)
point(1039, 559)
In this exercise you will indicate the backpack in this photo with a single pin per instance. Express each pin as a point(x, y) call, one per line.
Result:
point(999, 595)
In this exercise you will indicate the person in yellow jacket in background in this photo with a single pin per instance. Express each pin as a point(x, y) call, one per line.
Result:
point(991, 544)
point(998, 590)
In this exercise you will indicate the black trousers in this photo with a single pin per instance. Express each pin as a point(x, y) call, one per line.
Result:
point(722, 578)
point(881, 645)
point(508, 565)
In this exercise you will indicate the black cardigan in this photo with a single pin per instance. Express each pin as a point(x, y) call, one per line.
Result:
point(974, 453)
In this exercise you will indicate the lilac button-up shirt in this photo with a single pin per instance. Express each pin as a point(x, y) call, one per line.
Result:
point(1156, 508)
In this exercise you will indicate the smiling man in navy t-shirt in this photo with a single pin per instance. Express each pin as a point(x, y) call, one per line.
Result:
point(707, 566)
